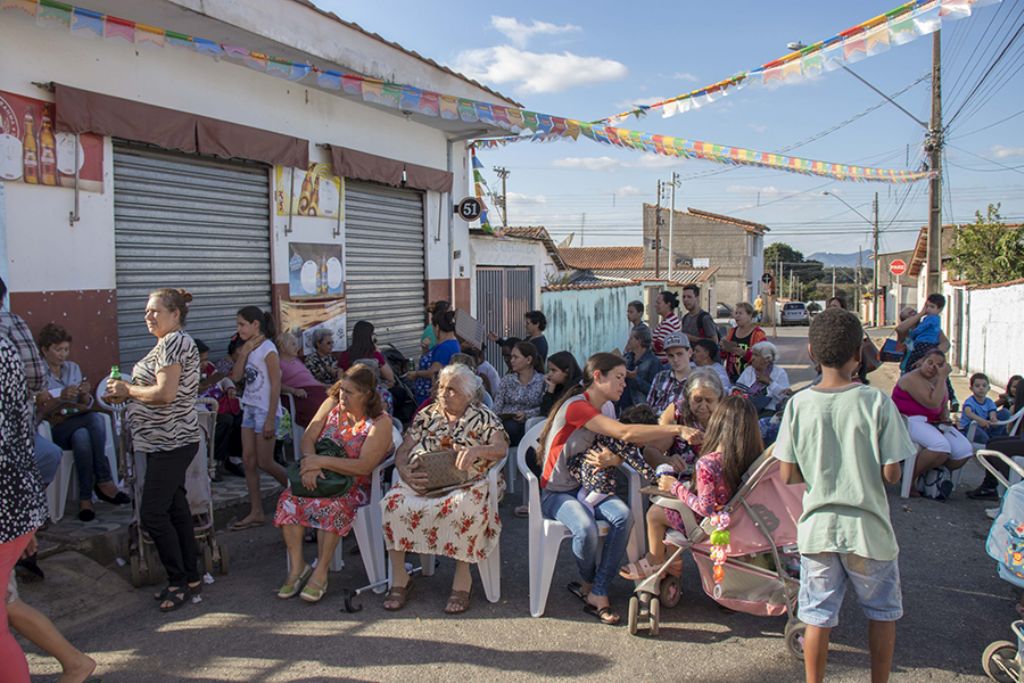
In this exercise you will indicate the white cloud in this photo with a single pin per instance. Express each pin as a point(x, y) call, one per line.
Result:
point(587, 163)
point(757, 127)
point(520, 33)
point(535, 72)
point(684, 76)
point(629, 191)
point(753, 189)
point(1000, 152)
point(630, 104)
point(520, 198)
point(656, 161)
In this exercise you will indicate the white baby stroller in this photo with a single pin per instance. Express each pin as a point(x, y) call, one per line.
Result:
point(1003, 660)
point(760, 574)
point(142, 558)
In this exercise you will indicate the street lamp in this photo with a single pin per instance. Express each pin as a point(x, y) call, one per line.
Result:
point(874, 268)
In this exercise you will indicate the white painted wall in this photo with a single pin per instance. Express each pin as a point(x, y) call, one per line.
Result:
point(585, 321)
point(992, 319)
point(498, 251)
point(45, 253)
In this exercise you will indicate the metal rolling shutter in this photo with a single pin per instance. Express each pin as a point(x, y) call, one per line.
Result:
point(186, 222)
point(384, 257)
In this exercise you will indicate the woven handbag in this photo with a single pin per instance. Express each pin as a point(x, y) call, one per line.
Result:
point(442, 474)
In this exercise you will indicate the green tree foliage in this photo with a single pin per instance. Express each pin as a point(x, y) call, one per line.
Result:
point(987, 252)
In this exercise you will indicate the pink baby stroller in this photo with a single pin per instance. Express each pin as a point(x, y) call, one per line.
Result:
point(761, 570)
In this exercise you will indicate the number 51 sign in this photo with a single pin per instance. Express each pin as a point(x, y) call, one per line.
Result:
point(469, 209)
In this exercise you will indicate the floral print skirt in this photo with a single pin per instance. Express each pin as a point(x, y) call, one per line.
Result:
point(460, 525)
point(334, 515)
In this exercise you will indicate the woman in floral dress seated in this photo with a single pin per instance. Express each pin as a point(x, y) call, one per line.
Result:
point(460, 524)
point(351, 434)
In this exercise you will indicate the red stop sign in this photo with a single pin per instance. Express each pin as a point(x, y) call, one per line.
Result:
point(897, 267)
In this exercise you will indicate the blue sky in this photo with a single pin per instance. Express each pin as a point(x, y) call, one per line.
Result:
point(560, 60)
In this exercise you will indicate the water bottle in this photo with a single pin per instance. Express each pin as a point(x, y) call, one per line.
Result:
point(115, 372)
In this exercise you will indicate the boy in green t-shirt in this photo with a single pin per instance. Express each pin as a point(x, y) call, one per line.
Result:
point(842, 439)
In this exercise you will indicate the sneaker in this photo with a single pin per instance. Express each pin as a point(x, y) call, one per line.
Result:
point(983, 493)
point(992, 513)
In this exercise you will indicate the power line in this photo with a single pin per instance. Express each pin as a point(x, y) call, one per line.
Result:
point(988, 72)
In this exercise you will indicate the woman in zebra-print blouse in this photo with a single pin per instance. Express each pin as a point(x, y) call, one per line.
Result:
point(165, 427)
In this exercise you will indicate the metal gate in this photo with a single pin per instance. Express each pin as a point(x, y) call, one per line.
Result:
point(503, 296)
point(185, 222)
point(384, 262)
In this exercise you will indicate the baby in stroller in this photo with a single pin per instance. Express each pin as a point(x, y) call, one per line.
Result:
point(732, 443)
point(597, 483)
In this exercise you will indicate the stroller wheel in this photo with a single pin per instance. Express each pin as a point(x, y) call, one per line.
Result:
point(207, 558)
point(671, 591)
point(136, 570)
point(794, 637)
point(223, 552)
point(1000, 663)
point(654, 618)
point(634, 614)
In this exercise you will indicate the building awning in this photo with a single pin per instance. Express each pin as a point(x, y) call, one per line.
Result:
point(83, 111)
point(350, 163)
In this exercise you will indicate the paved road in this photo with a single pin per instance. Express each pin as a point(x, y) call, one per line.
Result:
point(955, 606)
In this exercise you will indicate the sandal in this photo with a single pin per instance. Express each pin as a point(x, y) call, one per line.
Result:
point(313, 592)
point(603, 614)
point(576, 588)
point(639, 570)
point(458, 602)
point(195, 589)
point(176, 597)
point(241, 525)
point(397, 597)
point(291, 589)
point(521, 511)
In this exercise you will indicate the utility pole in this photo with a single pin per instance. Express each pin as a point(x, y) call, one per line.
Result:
point(874, 270)
point(858, 297)
point(671, 223)
point(833, 282)
point(934, 148)
point(503, 174)
point(657, 235)
point(583, 225)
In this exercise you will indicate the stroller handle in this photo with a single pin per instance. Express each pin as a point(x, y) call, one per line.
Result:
point(983, 455)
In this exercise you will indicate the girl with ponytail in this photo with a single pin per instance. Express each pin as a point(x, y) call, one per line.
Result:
point(575, 422)
point(259, 363)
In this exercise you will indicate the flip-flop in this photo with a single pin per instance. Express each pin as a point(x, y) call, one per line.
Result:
point(576, 588)
point(603, 614)
point(239, 525)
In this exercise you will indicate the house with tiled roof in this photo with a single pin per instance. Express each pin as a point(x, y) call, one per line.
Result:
point(698, 239)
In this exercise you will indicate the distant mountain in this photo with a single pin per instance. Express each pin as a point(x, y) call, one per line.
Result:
point(841, 260)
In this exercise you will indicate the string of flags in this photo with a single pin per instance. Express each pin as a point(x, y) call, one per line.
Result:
point(480, 190)
point(898, 26)
point(522, 123)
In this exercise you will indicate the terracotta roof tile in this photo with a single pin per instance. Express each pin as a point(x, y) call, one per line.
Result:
point(749, 226)
point(603, 258)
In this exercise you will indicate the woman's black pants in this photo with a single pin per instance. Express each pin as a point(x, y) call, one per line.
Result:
point(165, 513)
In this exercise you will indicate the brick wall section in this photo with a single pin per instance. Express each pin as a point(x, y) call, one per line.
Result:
point(695, 237)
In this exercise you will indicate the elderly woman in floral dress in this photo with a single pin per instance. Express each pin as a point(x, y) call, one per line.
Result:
point(460, 524)
point(351, 434)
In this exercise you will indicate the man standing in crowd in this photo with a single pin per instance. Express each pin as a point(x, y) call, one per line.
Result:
point(536, 323)
point(635, 316)
point(668, 385)
point(697, 323)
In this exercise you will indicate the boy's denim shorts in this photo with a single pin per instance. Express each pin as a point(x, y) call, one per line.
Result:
point(254, 418)
point(823, 581)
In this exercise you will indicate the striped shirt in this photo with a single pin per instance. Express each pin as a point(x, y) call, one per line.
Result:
point(666, 327)
point(166, 427)
point(567, 437)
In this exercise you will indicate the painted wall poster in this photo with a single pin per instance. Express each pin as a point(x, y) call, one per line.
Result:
point(304, 317)
point(32, 152)
point(312, 192)
point(315, 271)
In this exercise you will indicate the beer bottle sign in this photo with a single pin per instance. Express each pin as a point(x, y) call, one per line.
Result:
point(47, 153)
point(305, 196)
point(30, 151)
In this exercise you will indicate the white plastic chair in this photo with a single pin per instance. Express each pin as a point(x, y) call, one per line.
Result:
point(1011, 423)
point(65, 483)
point(297, 430)
point(546, 535)
point(490, 568)
point(368, 527)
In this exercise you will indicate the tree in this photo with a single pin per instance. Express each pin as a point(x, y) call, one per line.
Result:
point(780, 251)
point(988, 252)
